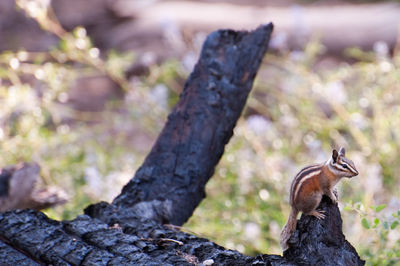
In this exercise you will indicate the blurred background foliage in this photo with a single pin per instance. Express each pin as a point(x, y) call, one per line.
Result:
point(296, 113)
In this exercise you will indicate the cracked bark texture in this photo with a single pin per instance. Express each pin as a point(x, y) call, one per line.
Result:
point(30, 238)
point(321, 242)
point(170, 184)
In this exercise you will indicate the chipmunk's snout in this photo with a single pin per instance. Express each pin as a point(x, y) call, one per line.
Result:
point(353, 168)
point(355, 172)
point(353, 175)
point(352, 171)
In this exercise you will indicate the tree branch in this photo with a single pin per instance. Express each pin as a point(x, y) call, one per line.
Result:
point(170, 183)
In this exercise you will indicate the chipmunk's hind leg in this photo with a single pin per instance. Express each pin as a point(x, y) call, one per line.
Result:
point(309, 205)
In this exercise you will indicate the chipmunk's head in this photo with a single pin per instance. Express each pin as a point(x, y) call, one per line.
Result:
point(340, 165)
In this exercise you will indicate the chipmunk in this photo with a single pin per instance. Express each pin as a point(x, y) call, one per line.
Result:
point(310, 184)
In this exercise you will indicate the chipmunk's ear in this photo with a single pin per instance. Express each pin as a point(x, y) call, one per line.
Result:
point(334, 155)
point(342, 151)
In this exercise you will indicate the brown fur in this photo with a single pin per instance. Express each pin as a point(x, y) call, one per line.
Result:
point(289, 228)
point(310, 194)
point(327, 179)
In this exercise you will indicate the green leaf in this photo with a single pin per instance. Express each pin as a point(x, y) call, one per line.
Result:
point(394, 224)
point(347, 208)
point(376, 221)
point(63, 45)
point(380, 207)
point(365, 223)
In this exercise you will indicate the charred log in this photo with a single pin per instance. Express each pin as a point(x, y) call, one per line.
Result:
point(170, 183)
point(30, 238)
point(321, 242)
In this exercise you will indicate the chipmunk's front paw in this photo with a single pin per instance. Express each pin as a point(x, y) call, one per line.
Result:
point(333, 196)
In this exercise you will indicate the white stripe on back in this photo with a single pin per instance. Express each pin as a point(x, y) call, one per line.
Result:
point(303, 179)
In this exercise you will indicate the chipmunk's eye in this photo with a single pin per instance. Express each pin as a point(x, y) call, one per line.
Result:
point(344, 165)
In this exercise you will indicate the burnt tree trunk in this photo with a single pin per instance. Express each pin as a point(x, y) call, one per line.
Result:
point(170, 184)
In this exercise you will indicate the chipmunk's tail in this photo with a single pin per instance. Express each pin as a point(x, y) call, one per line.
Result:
point(289, 229)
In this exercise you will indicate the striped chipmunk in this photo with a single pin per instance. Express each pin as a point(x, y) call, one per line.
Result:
point(310, 184)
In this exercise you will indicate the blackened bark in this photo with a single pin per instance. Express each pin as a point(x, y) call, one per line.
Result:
point(170, 184)
point(30, 238)
point(88, 241)
point(321, 242)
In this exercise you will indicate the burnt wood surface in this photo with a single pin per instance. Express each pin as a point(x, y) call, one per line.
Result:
point(321, 242)
point(30, 238)
point(170, 184)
